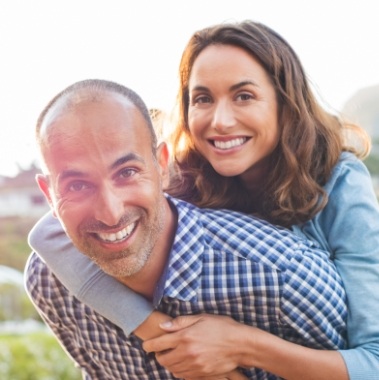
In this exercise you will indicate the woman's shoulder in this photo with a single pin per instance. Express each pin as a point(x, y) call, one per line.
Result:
point(346, 172)
point(351, 161)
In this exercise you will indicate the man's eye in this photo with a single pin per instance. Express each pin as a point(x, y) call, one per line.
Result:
point(126, 173)
point(78, 186)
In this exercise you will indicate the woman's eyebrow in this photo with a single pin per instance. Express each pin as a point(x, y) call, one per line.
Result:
point(243, 83)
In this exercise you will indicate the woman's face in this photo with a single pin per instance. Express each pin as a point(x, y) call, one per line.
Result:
point(232, 115)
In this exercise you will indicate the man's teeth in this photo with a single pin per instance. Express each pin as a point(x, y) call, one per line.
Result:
point(230, 143)
point(120, 235)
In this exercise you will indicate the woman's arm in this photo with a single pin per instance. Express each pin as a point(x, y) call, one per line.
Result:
point(210, 344)
point(350, 226)
point(87, 282)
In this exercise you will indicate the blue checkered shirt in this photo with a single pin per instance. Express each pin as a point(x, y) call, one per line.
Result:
point(221, 262)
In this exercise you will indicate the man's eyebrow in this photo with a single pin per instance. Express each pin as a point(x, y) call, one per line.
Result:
point(124, 159)
point(78, 174)
point(71, 174)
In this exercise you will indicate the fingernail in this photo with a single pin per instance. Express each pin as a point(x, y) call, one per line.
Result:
point(166, 324)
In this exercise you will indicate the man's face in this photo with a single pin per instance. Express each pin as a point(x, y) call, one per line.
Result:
point(104, 182)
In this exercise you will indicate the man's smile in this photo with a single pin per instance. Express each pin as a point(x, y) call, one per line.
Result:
point(116, 237)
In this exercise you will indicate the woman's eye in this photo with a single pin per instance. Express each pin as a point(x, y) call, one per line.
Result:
point(202, 99)
point(244, 97)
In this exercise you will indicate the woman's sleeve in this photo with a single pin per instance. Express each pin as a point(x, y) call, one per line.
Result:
point(351, 225)
point(84, 279)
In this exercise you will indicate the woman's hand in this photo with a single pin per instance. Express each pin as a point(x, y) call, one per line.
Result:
point(211, 347)
point(150, 328)
point(199, 346)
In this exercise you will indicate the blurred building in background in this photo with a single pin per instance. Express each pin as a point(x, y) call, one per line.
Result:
point(363, 109)
point(20, 195)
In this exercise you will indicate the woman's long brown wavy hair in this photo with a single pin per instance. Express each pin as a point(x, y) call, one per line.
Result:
point(310, 145)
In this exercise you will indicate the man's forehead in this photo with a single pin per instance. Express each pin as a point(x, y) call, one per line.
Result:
point(71, 103)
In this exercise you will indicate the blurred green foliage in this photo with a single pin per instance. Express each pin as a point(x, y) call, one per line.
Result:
point(34, 356)
point(372, 163)
point(31, 356)
point(14, 248)
point(15, 304)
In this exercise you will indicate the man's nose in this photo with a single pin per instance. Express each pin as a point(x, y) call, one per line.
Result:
point(110, 206)
point(223, 117)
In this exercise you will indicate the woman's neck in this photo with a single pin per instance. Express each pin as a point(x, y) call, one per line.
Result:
point(254, 178)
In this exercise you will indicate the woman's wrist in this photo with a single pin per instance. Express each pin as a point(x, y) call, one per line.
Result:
point(149, 328)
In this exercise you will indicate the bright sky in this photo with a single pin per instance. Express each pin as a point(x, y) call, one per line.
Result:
point(47, 45)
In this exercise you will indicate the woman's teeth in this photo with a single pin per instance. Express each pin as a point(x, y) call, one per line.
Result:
point(230, 143)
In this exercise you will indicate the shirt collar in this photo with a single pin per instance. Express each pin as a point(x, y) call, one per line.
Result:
point(181, 278)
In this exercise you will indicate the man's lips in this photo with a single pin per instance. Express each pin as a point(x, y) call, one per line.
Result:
point(116, 237)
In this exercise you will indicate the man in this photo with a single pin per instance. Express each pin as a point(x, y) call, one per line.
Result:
point(103, 180)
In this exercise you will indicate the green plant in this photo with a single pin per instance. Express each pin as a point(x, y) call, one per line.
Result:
point(15, 304)
point(34, 356)
point(372, 163)
point(14, 248)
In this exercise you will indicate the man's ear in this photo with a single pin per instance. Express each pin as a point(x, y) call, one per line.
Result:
point(163, 156)
point(43, 184)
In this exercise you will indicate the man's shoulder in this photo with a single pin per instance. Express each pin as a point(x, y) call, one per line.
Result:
point(35, 266)
point(222, 215)
point(227, 222)
point(40, 282)
point(238, 235)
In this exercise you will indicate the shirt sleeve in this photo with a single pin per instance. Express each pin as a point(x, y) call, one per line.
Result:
point(84, 279)
point(350, 223)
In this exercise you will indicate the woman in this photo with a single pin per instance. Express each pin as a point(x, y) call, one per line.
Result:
point(252, 137)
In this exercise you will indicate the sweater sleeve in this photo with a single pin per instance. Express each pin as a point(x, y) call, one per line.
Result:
point(350, 226)
point(84, 279)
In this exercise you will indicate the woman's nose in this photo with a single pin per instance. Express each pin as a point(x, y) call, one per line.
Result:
point(223, 117)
